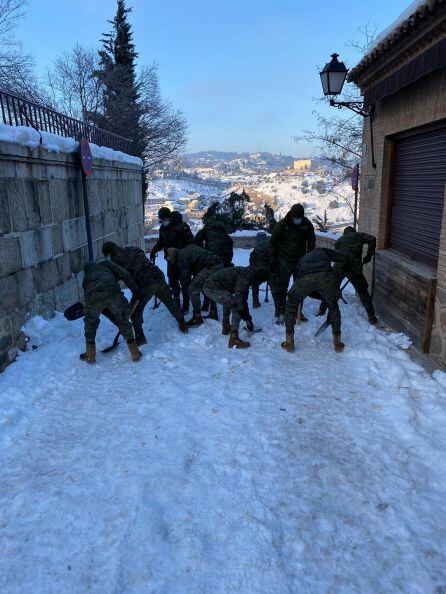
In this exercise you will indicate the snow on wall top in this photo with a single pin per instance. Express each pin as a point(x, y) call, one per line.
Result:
point(26, 136)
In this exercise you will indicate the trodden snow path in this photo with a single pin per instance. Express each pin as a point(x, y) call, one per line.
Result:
point(205, 470)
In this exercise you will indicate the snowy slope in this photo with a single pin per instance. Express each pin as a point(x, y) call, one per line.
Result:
point(203, 470)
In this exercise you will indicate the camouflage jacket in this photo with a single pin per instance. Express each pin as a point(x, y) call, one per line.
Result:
point(192, 259)
point(134, 260)
point(101, 281)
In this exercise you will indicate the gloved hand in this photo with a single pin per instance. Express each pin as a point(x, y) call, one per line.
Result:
point(152, 256)
point(274, 267)
point(136, 296)
point(250, 324)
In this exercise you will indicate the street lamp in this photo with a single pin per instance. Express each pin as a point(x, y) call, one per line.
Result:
point(333, 77)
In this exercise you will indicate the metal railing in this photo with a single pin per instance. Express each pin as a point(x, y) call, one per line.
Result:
point(15, 111)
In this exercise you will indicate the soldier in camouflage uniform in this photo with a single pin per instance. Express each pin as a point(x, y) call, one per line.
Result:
point(291, 239)
point(230, 288)
point(174, 232)
point(194, 265)
point(351, 244)
point(315, 278)
point(259, 257)
point(102, 292)
point(215, 238)
point(151, 281)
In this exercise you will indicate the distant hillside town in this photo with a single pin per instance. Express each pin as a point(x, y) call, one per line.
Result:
point(192, 184)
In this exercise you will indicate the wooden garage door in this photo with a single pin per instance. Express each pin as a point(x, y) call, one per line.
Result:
point(418, 195)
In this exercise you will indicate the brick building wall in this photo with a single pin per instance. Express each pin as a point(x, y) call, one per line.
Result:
point(43, 244)
point(417, 106)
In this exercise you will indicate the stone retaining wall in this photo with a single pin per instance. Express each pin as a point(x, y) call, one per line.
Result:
point(43, 245)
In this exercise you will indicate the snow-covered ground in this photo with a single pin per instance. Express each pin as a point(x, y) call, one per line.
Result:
point(175, 189)
point(203, 470)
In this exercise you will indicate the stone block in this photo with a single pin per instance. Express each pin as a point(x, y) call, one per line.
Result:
point(75, 198)
point(36, 246)
point(9, 293)
point(17, 205)
point(31, 190)
point(63, 268)
point(76, 261)
point(45, 202)
point(45, 276)
point(56, 232)
point(25, 281)
point(74, 234)
point(436, 344)
point(10, 256)
point(59, 199)
point(66, 294)
point(5, 218)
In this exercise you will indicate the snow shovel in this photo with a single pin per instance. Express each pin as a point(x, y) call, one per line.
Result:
point(325, 325)
point(116, 339)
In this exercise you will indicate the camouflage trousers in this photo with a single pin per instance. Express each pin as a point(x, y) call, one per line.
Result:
point(119, 309)
point(196, 286)
point(174, 283)
point(162, 291)
point(325, 285)
point(358, 282)
point(279, 282)
point(232, 308)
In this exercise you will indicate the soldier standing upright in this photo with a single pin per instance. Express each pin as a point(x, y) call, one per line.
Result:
point(215, 238)
point(151, 281)
point(291, 239)
point(174, 232)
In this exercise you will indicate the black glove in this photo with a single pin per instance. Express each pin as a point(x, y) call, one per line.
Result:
point(274, 267)
point(152, 256)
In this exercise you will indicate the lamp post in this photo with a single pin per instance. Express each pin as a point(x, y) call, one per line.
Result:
point(333, 77)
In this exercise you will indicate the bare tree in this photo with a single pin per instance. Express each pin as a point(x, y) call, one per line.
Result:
point(72, 85)
point(163, 127)
point(16, 66)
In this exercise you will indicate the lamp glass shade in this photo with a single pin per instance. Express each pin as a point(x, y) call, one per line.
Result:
point(333, 76)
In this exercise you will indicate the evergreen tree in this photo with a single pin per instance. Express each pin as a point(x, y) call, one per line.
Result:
point(122, 110)
point(269, 219)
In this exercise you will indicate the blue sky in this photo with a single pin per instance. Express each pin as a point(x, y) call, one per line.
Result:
point(244, 72)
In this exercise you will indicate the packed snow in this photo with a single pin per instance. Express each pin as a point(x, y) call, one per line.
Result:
point(31, 138)
point(201, 469)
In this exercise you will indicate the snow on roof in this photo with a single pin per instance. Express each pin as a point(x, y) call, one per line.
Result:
point(388, 31)
point(29, 137)
point(412, 17)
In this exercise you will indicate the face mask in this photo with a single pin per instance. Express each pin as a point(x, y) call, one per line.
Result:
point(297, 221)
point(165, 222)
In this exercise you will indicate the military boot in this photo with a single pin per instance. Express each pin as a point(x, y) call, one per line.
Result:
point(90, 353)
point(235, 341)
point(134, 351)
point(182, 326)
point(371, 315)
point(288, 344)
point(225, 327)
point(213, 313)
point(196, 320)
point(140, 338)
point(337, 343)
